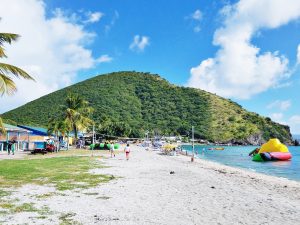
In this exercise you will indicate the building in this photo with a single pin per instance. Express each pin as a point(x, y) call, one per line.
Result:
point(20, 135)
point(26, 136)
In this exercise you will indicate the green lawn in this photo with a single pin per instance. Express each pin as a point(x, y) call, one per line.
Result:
point(64, 172)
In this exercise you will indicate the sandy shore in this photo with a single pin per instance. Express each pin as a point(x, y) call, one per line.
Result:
point(146, 193)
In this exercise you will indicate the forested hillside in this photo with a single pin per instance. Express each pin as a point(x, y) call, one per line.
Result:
point(143, 101)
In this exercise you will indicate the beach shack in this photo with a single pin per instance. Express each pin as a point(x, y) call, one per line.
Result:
point(38, 135)
point(20, 135)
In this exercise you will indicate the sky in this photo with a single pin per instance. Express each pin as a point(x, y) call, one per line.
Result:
point(244, 50)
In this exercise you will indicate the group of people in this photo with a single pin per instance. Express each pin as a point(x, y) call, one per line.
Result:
point(126, 150)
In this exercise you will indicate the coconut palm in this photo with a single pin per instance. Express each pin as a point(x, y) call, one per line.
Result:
point(2, 129)
point(58, 127)
point(7, 71)
point(76, 113)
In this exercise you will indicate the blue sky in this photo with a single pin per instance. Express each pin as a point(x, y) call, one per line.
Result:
point(243, 50)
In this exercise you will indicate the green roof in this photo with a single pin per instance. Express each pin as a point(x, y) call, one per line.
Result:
point(12, 128)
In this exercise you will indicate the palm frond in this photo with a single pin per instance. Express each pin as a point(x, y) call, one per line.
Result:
point(10, 69)
point(8, 38)
point(2, 129)
point(2, 53)
point(7, 85)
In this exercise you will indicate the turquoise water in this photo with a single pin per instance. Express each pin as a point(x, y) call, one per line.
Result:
point(237, 156)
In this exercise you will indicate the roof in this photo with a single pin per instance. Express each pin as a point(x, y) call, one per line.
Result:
point(44, 132)
point(12, 128)
point(35, 130)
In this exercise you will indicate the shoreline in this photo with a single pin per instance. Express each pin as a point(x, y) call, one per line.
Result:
point(244, 168)
point(213, 165)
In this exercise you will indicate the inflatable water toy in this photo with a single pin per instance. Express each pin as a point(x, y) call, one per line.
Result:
point(271, 151)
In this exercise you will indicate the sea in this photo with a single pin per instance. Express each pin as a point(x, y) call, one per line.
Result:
point(238, 156)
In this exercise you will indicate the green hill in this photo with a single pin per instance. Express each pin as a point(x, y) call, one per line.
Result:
point(148, 102)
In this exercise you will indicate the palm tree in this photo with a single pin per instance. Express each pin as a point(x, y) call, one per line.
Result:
point(59, 127)
point(2, 129)
point(7, 71)
point(76, 113)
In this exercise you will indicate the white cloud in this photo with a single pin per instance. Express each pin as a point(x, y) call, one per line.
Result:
point(195, 19)
point(52, 49)
point(112, 22)
point(94, 17)
point(277, 117)
point(197, 29)
point(197, 15)
point(139, 43)
point(239, 69)
point(294, 123)
point(104, 59)
point(298, 54)
point(282, 105)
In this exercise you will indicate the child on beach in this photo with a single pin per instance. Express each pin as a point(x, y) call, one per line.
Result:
point(127, 151)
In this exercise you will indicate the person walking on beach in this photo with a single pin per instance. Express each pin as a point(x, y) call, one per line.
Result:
point(9, 144)
point(13, 147)
point(112, 150)
point(127, 151)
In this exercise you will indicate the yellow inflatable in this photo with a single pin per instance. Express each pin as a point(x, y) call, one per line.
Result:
point(273, 145)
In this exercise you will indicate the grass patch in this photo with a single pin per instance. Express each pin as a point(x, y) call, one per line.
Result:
point(103, 197)
point(72, 152)
point(66, 219)
point(6, 205)
point(47, 195)
point(64, 172)
point(4, 193)
point(25, 207)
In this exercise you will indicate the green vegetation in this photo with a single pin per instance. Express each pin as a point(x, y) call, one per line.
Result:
point(66, 219)
point(64, 172)
point(129, 103)
point(74, 116)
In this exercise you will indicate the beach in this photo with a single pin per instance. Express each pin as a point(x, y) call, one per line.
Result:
point(145, 192)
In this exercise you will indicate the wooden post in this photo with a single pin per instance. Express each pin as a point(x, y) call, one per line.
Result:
point(193, 153)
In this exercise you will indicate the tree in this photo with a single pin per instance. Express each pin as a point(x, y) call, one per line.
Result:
point(76, 113)
point(58, 127)
point(7, 71)
point(2, 129)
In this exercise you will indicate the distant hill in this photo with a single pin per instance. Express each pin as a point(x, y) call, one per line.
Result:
point(149, 102)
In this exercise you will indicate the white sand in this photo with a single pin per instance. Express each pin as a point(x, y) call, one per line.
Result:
point(146, 193)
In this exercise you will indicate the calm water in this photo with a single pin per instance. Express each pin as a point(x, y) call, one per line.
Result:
point(237, 156)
